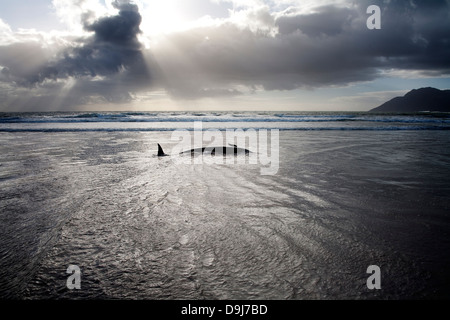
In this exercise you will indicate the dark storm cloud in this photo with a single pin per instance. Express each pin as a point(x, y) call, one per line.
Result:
point(330, 46)
point(328, 21)
point(109, 64)
point(120, 30)
point(414, 35)
point(114, 47)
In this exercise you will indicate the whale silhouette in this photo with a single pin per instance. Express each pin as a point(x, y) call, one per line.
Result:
point(161, 152)
point(235, 150)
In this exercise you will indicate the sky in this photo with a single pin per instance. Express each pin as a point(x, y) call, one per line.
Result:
point(177, 55)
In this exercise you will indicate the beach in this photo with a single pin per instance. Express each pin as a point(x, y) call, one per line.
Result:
point(346, 195)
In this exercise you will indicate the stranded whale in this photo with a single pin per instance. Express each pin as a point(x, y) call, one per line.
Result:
point(210, 150)
point(161, 152)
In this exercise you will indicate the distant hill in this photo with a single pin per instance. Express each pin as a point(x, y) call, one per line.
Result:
point(424, 99)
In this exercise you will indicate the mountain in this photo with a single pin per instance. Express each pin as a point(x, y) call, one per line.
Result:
point(424, 99)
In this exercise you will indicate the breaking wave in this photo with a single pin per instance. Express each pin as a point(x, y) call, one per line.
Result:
point(164, 121)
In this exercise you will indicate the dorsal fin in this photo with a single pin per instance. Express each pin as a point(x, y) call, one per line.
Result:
point(232, 145)
point(160, 151)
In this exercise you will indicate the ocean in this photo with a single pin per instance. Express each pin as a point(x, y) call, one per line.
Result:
point(345, 191)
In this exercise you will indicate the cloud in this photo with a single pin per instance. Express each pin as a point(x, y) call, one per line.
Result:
point(328, 46)
point(5, 32)
point(108, 63)
point(327, 21)
point(261, 45)
point(113, 48)
point(74, 14)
